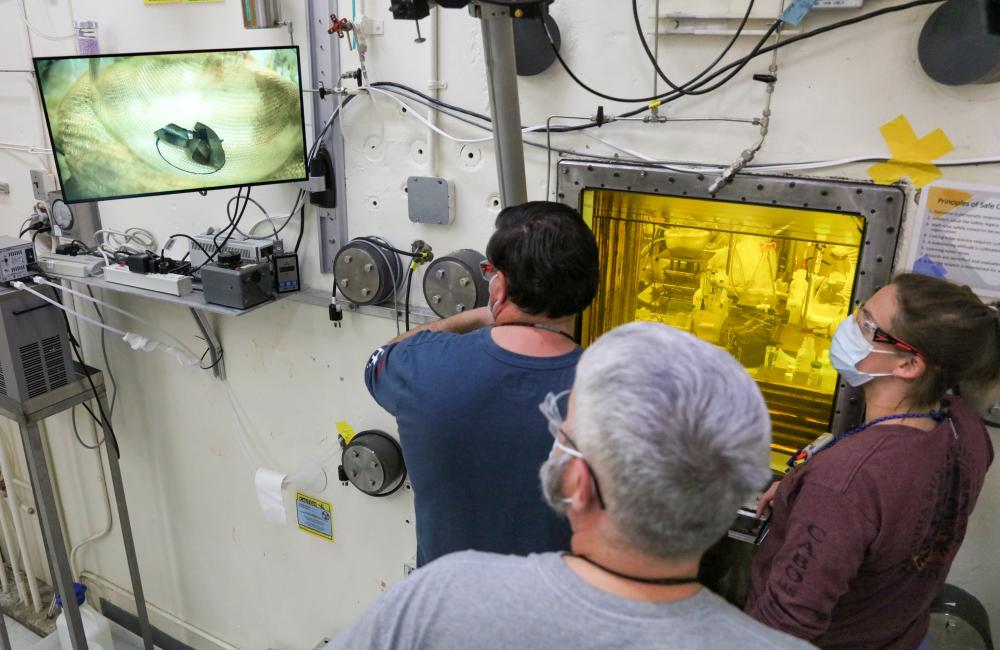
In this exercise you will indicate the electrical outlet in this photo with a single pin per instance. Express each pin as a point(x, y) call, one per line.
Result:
point(42, 182)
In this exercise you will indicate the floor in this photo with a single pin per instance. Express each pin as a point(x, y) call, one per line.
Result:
point(21, 638)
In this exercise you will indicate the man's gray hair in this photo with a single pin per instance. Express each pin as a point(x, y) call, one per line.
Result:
point(677, 433)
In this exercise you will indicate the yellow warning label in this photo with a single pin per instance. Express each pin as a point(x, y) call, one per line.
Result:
point(912, 157)
point(314, 516)
point(345, 430)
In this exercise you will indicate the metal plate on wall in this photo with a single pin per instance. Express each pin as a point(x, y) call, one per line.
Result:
point(430, 200)
point(881, 207)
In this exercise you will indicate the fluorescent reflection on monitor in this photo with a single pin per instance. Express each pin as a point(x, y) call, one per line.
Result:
point(141, 124)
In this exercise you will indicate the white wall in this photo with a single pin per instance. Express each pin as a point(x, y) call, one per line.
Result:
point(207, 556)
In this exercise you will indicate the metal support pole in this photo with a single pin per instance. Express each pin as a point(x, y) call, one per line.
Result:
point(48, 515)
point(325, 57)
point(126, 526)
point(4, 637)
point(505, 107)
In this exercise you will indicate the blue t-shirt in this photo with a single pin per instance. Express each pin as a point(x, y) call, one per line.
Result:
point(473, 440)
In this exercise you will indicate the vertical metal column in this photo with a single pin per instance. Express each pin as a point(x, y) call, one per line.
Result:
point(48, 515)
point(505, 106)
point(325, 59)
point(126, 526)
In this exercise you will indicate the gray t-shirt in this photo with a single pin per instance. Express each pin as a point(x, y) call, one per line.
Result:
point(484, 601)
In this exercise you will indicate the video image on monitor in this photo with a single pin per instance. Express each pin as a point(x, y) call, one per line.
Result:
point(155, 123)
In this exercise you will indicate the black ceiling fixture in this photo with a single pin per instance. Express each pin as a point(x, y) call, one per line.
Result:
point(960, 43)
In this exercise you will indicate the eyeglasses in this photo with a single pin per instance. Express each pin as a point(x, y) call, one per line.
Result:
point(879, 335)
point(550, 408)
point(487, 269)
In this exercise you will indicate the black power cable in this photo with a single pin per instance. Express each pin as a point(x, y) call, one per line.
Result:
point(673, 95)
point(302, 223)
point(104, 421)
point(683, 88)
point(740, 64)
point(194, 241)
point(234, 220)
point(409, 283)
point(385, 246)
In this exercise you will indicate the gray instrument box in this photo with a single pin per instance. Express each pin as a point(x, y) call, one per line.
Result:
point(15, 257)
point(34, 346)
point(239, 288)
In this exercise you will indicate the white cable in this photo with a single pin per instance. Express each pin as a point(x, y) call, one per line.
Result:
point(23, 286)
point(40, 280)
point(123, 238)
point(326, 126)
point(675, 165)
point(135, 341)
point(271, 220)
point(417, 116)
point(37, 32)
point(26, 148)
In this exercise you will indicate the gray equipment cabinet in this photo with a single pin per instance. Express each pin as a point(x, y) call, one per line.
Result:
point(27, 414)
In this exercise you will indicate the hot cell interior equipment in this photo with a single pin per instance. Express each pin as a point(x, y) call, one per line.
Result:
point(766, 270)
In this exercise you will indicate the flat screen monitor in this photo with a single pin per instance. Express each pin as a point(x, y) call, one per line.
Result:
point(130, 125)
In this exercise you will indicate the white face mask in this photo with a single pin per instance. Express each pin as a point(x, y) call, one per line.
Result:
point(489, 293)
point(848, 348)
point(551, 475)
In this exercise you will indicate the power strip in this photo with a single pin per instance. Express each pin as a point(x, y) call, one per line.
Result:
point(172, 283)
point(76, 266)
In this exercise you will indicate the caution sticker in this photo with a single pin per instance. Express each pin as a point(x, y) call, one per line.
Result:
point(314, 516)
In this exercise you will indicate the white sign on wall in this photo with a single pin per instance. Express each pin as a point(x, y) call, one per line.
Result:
point(957, 236)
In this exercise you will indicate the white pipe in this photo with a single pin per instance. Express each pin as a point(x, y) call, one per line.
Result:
point(8, 542)
point(108, 306)
point(107, 507)
point(434, 87)
point(22, 545)
point(104, 583)
point(6, 552)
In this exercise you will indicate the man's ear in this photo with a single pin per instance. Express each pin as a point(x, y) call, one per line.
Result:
point(498, 290)
point(578, 486)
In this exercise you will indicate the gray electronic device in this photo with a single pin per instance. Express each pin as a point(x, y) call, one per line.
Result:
point(34, 346)
point(430, 200)
point(250, 250)
point(16, 255)
point(454, 283)
point(240, 288)
point(286, 273)
point(748, 527)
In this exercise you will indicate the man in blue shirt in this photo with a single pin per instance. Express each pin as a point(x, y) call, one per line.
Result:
point(465, 390)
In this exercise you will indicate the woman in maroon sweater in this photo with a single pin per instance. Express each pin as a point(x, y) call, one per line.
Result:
point(863, 534)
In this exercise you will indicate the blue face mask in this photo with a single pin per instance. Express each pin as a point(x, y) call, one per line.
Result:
point(848, 348)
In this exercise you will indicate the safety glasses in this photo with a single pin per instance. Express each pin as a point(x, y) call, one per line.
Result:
point(879, 335)
point(553, 407)
point(487, 269)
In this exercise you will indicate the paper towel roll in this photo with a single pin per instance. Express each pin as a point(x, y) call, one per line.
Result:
point(269, 485)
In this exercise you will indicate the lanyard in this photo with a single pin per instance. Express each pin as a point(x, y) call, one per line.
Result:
point(541, 326)
point(811, 450)
point(663, 582)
